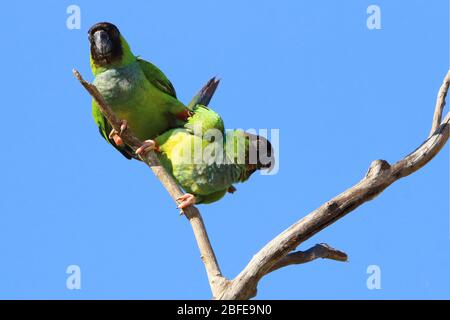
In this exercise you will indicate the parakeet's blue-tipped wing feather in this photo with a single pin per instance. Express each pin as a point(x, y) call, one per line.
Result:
point(156, 77)
point(204, 96)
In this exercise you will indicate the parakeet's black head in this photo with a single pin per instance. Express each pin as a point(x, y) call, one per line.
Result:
point(260, 154)
point(105, 42)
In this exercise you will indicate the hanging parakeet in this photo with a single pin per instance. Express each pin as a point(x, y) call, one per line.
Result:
point(207, 166)
point(136, 90)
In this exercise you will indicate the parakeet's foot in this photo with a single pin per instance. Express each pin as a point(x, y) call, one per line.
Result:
point(186, 200)
point(147, 146)
point(231, 189)
point(116, 135)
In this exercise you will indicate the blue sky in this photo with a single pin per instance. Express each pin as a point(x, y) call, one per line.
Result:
point(342, 95)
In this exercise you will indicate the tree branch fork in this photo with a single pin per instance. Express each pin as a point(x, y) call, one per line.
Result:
point(279, 252)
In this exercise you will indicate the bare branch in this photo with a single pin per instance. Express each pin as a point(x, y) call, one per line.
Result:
point(216, 280)
point(440, 104)
point(276, 254)
point(320, 250)
point(379, 176)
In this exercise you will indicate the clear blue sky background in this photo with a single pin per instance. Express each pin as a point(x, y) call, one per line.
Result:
point(341, 95)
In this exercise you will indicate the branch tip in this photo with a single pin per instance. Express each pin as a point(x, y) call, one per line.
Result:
point(320, 250)
point(440, 104)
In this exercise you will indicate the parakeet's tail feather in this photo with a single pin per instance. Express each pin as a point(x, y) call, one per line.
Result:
point(208, 91)
point(204, 96)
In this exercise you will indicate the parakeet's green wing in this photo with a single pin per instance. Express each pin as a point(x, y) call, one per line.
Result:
point(104, 127)
point(156, 77)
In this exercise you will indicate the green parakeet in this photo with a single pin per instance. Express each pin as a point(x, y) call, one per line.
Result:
point(205, 162)
point(136, 90)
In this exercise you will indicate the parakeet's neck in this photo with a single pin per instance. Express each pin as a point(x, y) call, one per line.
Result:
point(126, 58)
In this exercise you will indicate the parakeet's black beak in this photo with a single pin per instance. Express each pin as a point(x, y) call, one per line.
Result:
point(102, 42)
point(106, 46)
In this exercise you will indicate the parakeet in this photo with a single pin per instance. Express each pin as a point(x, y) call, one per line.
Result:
point(136, 90)
point(206, 166)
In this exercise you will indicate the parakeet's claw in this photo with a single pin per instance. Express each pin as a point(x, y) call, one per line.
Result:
point(123, 127)
point(146, 146)
point(186, 200)
point(231, 189)
point(112, 133)
point(116, 135)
